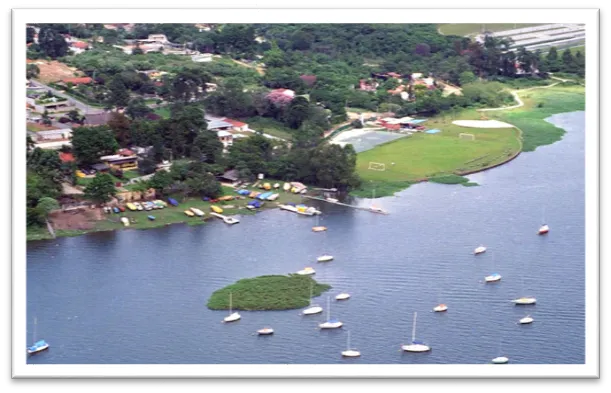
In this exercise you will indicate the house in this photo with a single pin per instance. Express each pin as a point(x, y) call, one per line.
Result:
point(226, 138)
point(366, 85)
point(78, 81)
point(52, 139)
point(236, 125)
point(219, 124)
point(211, 87)
point(96, 119)
point(119, 161)
point(66, 157)
point(202, 58)
point(286, 92)
point(231, 176)
point(141, 151)
point(158, 38)
point(100, 167)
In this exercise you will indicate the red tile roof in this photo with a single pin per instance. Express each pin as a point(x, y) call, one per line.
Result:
point(80, 45)
point(78, 81)
point(125, 152)
point(234, 122)
point(66, 157)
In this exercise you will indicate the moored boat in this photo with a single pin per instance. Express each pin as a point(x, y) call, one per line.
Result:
point(544, 229)
point(342, 296)
point(500, 360)
point(415, 345)
point(330, 323)
point(526, 320)
point(265, 331)
point(39, 345)
point(350, 353)
point(232, 317)
point(189, 213)
point(494, 277)
point(525, 300)
point(440, 308)
point(479, 250)
point(306, 272)
point(325, 258)
point(319, 229)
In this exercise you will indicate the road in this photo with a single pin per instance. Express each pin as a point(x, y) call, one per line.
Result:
point(78, 104)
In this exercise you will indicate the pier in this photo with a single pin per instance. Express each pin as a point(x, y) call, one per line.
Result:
point(368, 209)
point(226, 219)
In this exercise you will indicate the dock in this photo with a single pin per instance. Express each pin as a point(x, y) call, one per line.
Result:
point(368, 209)
point(226, 219)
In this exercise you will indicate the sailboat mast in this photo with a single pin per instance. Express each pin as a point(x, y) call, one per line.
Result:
point(414, 327)
point(329, 308)
point(311, 292)
point(34, 332)
point(230, 301)
point(348, 347)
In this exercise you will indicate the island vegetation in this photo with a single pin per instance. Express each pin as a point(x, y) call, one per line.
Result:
point(274, 292)
point(161, 100)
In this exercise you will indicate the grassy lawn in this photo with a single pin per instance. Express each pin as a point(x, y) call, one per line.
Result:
point(269, 126)
point(127, 175)
point(463, 29)
point(163, 111)
point(422, 156)
point(267, 293)
point(530, 117)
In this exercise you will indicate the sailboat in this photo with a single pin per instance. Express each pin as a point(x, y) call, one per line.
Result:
point(318, 228)
point(232, 316)
point(325, 257)
point(526, 320)
point(544, 229)
point(330, 323)
point(524, 300)
point(494, 277)
point(342, 296)
point(350, 353)
point(374, 208)
point(479, 250)
point(312, 308)
point(500, 359)
point(39, 345)
point(415, 345)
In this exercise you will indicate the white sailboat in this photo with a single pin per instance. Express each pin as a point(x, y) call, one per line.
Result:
point(265, 331)
point(37, 346)
point(479, 250)
point(306, 271)
point(330, 323)
point(415, 345)
point(325, 257)
point(526, 320)
point(373, 207)
point(342, 296)
point(318, 227)
point(524, 300)
point(312, 308)
point(232, 316)
point(500, 359)
point(494, 277)
point(350, 353)
point(543, 229)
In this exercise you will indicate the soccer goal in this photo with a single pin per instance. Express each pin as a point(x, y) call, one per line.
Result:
point(463, 135)
point(377, 166)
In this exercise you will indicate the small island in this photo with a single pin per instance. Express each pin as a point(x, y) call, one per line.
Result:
point(274, 292)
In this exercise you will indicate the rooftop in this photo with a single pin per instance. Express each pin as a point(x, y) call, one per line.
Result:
point(235, 123)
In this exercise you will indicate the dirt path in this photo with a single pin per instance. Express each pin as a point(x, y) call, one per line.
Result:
point(259, 69)
point(515, 95)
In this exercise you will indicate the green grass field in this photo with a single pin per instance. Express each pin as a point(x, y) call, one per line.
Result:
point(268, 293)
point(163, 111)
point(463, 29)
point(269, 126)
point(538, 105)
point(423, 156)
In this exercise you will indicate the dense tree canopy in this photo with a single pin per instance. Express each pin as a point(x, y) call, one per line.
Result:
point(90, 143)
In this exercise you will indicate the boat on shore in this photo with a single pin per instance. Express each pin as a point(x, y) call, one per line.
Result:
point(189, 213)
point(197, 212)
point(216, 209)
point(125, 221)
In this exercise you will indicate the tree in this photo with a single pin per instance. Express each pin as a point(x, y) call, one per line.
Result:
point(553, 63)
point(137, 50)
point(466, 77)
point(568, 62)
point(189, 84)
point(209, 146)
point(274, 57)
point(101, 189)
point(90, 143)
point(46, 205)
point(118, 94)
point(161, 180)
point(203, 185)
point(120, 126)
point(147, 166)
point(137, 108)
point(46, 120)
point(75, 116)
point(297, 112)
point(32, 71)
point(29, 34)
point(52, 43)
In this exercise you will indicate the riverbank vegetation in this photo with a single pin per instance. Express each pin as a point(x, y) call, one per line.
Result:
point(268, 293)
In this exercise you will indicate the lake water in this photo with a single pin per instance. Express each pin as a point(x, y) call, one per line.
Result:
point(139, 296)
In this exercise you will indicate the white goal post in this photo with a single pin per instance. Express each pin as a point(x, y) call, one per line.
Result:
point(463, 135)
point(377, 166)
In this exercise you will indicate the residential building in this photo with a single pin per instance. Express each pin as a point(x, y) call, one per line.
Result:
point(226, 138)
point(366, 85)
point(52, 139)
point(236, 125)
point(119, 161)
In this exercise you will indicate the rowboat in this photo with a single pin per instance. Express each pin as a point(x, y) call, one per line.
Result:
point(197, 212)
point(189, 213)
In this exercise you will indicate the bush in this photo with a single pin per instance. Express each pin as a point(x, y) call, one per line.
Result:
point(356, 123)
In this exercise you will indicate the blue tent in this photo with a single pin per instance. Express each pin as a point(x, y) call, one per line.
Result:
point(172, 201)
point(243, 192)
point(255, 203)
point(432, 131)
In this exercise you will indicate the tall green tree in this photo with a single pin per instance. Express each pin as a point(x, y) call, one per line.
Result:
point(137, 108)
point(297, 112)
point(118, 94)
point(52, 43)
point(46, 205)
point(101, 189)
point(121, 128)
point(90, 143)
